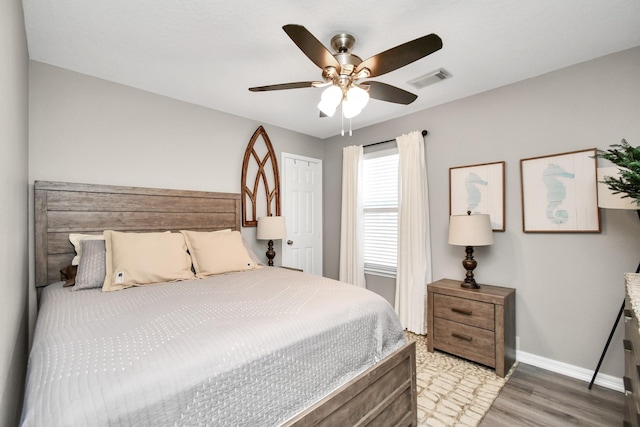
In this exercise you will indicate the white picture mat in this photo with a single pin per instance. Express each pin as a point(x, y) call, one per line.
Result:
point(479, 189)
point(559, 193)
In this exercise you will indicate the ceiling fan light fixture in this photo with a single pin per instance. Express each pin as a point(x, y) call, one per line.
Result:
point(358, 96)
point(326, 108)
point(330, 99)
point(350, 109)
point(332, 95)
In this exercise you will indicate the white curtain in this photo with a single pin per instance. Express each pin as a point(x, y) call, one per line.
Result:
point(352, 220)
point(414, 243)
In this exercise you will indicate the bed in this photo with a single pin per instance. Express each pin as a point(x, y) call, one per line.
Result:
point(268, 346)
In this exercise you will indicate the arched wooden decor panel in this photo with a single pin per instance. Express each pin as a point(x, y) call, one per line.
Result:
point(260, 175)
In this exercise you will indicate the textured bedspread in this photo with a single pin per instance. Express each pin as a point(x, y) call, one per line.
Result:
point(250, 349)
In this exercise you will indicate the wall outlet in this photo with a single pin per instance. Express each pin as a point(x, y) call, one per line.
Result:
point(517, 343)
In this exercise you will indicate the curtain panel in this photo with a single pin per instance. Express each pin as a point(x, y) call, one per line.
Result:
point(414, 245)
point(352, 218)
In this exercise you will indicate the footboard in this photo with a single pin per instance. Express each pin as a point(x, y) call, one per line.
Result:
point(384, 395)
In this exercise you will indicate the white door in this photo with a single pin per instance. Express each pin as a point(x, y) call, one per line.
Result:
point(302, 207)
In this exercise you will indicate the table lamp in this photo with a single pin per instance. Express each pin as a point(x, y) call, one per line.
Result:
point(271, 228)
point(470, 230)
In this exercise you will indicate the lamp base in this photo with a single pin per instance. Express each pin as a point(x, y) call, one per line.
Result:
point(271, 254)
point(469, 284)
point(469, 264)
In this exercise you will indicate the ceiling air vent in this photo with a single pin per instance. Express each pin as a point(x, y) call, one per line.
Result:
point(430, 78)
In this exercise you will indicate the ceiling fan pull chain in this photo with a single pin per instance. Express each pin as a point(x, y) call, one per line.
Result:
point(350, 131)
point(342, 119)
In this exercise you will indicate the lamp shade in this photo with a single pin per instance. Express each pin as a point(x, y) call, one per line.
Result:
point(470, 230)
point(271, 228)
point(606, 198)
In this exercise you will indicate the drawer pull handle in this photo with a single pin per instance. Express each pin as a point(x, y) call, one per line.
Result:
point(628, 388)
point(628, 315)
point(461, 311)
point(462, 337)
point(628, 347)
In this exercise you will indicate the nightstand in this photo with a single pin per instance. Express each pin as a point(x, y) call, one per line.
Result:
point(475, 324)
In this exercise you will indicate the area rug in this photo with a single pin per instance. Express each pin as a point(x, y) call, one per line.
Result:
point(452, 391)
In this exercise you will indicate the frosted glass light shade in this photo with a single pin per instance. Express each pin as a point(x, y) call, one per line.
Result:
point(606, 198)
point(358, 96)
point(470, 230)
point(326, 108)
point(355, 101)
point(349, 109)
point(329, 100)
point(271, 228)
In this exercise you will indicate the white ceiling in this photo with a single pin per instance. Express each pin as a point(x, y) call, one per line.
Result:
point(210, 52)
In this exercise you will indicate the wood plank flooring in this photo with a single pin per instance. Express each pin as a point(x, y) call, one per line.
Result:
point(537, 397)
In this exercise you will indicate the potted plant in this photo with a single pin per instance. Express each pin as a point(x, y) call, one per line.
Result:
point(627, 159)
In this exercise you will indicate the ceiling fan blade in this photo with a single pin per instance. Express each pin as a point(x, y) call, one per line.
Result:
point(281, 86)
point(385, 92)
point(311, 47)
point(401, 55)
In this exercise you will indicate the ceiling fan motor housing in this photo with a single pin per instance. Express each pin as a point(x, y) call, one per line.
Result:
point(343, 42)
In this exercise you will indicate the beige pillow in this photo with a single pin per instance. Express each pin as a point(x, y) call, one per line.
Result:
point(134, 259)
point(75, 240)
point(218, 252)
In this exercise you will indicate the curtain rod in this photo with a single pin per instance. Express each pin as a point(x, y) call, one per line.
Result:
point(424, 133)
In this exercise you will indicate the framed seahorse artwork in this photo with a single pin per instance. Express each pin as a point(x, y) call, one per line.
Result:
point(559, 193)
point(478, 189)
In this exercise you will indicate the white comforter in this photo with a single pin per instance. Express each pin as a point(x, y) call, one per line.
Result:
point(250, 349)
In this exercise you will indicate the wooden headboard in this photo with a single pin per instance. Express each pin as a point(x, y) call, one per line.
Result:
point(62, 208)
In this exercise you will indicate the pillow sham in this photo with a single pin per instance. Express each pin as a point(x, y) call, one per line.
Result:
point(218, 252)
point(75, 240)
point(92, 267)
point(134, 259)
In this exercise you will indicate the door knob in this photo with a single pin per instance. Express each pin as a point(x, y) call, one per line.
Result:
point(289, 242)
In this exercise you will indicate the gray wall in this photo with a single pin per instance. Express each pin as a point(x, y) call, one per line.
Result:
point(13, 210)
point(84, 129)
point(569, 286)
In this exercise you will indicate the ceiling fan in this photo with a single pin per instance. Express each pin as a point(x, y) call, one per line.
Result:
point(343, 73)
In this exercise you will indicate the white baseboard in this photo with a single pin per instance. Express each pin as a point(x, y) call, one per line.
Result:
point(572, 371)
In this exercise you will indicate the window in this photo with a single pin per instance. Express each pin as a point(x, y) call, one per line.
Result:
point(380, 203)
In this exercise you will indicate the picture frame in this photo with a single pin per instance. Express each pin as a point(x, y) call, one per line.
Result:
point(559, 193)
point(480, 190)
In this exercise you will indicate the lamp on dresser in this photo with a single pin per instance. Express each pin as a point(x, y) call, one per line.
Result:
point(271, 228)
point(469, 231)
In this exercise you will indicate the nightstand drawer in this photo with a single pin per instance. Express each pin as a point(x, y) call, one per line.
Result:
point(469, 312)
point(466, 341)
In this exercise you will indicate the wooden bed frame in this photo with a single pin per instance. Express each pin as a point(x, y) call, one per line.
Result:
point(384, 395)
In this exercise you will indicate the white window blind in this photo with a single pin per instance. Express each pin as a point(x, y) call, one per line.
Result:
point(380, 203)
